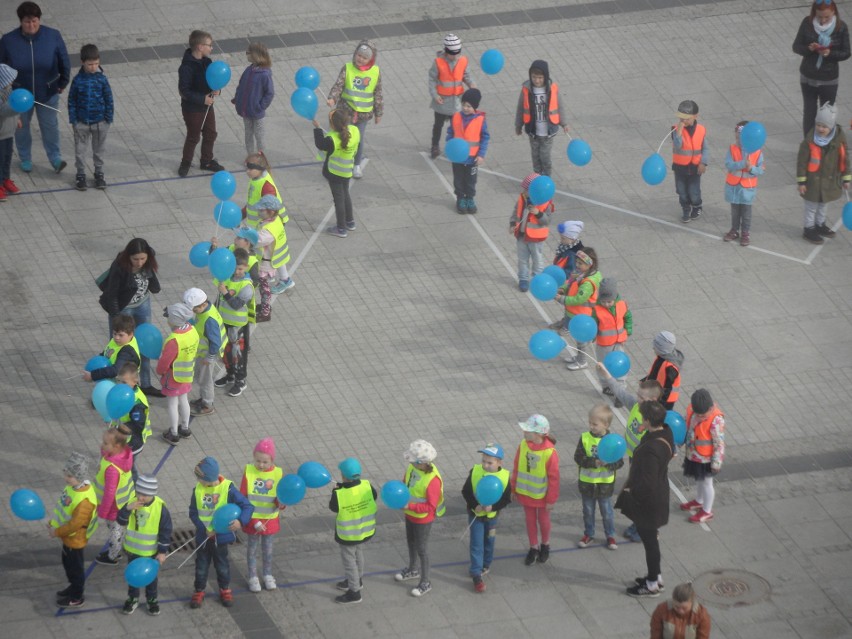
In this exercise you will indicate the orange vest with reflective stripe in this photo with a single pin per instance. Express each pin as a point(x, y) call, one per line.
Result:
point(611, 327)
point(472, 133)
point(585, 308)
point(660, 376)
point(533, 230)
point(703, 440)
point(816, 158)
point(742, 177)
point(552, 105)
point(450, 81)
point(690, 152)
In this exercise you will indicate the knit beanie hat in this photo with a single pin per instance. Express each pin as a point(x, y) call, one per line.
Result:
point(266, 446)
point(207, 469)
point(608, 289)
point(146, 485)
point(7, 75)
point(827, 115)
point(525, 185)
point(77, 466)
point(570, 229)
point(664, 343)
point(473, 97)
point(452, 43)
point(701, 401)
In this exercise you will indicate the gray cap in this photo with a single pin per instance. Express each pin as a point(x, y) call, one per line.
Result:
point(827, 115)
point(608, 289)
point(146, 485)
point(178, 314)
point(664, 343)
point(77, 466)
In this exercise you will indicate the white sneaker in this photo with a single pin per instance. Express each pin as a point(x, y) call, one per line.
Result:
point(269, 582)
point(254, 584)
point(357, 173)
point(421, 589)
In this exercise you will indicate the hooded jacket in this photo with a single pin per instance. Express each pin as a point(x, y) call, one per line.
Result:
point(254, 92)
point(378, 100)
point(41, 61)
point(107, 508)
point(529, 127)
point(192, 82)
point(824, 185)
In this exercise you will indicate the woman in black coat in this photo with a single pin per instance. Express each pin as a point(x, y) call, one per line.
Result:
point(645, 496)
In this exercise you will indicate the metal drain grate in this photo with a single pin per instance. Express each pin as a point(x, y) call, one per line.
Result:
point(731, 588)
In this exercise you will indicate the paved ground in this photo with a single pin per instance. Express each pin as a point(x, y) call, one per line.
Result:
point(413, 326)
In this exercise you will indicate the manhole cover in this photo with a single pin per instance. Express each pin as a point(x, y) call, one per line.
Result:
point(727, 588)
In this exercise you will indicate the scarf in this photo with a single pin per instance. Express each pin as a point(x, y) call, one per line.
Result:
point(823, 141)
point(824, 36)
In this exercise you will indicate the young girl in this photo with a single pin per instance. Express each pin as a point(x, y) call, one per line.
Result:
point(535, 483)
point(705, 451)
point(254, 95)
point(176, 368)
point(113, 487)
point(339, 146)
point(260, 184)
point(741, 186)
point(272, 241)
point(259, 484)
point(427, 502)
point(579, 294)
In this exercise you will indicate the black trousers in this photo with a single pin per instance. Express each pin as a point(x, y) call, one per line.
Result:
point(75, 570)
point(651, 542)
point(438, 127)
point(810, 96)
point(464, 180)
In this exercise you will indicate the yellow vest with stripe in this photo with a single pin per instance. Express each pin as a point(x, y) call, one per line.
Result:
point(601, 474)
point(532, 471)
point(341, 161)
point(479, 472)
point(252, 258)
point(417, 483)
point(356, 514)
point(183, 368)
point(111, 350)
point(359, 87)
point(68, 502)
point(255, 192)
point(203, 342)
point(632, 435)
point(141, 536)
point(280, 252)
point(235, 317)
point(124, 488)
point(140, 398)
point(261, 489)
point(208, 499)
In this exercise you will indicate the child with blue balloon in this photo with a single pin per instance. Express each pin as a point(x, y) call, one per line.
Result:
point(615, 325)
point(540, 115)
point(114, 487)
point(569, 244)
point(121, 349)
point(741, 185)
point(529, 224)
point(470, 126)
point(212, 340)
point(690, 157)
point(8, 124)
point(448, 76)
point(578, 295)
point(237, 307)
point(254, 94)
point(176, 368)
point(340, 145)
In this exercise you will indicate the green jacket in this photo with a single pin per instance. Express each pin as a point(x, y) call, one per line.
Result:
point(824, 185)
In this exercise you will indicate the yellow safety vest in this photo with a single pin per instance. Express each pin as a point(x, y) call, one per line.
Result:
point(280, 252)
point(532, 471)
point(632, 435)
point(601, 474)
point(261, 488)
point(356, 514)
point(124, 489)
point(208, 499)
point(479, 472)
point(417, 483)
point(203, 342)
point(341, 162)
point(359, 87)
point(235, 317)
point(111, 350)
point(68, 502)
point(143, 528)
point(255, 192)
point(140, 398)
point(183, 368)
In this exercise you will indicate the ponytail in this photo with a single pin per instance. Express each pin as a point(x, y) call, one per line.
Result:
point(340, 122)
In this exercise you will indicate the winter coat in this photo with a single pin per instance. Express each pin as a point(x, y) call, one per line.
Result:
point(73, 532)
point(41, 61)
point(667, 624)
point(164, 531)
point(452, 103)
point(587, 489)
point(645, 496)
point(120, 287)
point(529, 127)
point(839, 51)
point(735, 193)
point(254, 92)
point(107, 508)
point(823, 185)
point(8, 117)
point(234, 497)
point(90, 98)
point(192, 82)
point(484, 135)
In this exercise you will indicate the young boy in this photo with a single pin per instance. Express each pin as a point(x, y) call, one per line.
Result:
point(354, 501)
point(448, 77)
point(149, 533)
point(212, 340)
point(540, 115)
point(483, 519)
point(9, 121)
point(90, 111)
point(822, 167)
point(73, 521)
point(235, 304)
point(210, 493)
point(469, 125)
point(615, 324)
point(120, 350)
point(138, 418)
point(569, 244)
point(597, 479)
point(529, 224)
point(196, 103)
point(690, 157)
point(666, 368)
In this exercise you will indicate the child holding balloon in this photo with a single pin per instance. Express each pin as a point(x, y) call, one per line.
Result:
point(236, 306)
point(578, 295)
point(121, 349)
point(138, 418)
point(9, 121)
point(470, 126)
point(528, 224)
point(690, 157)
point(113, 487)
point(340, 146)
point(615, 325)
point(254, 94)
point(741, 186)
point(569, 244)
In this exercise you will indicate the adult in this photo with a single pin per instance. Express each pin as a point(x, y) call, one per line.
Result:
point(822, 41)
point(127, 290)
point(39, 56)
point(681, 618)
point(645, 496)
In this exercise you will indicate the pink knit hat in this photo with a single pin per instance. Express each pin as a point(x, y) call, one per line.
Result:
point(266, 446)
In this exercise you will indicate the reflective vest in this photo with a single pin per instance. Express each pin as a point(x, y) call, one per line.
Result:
point(183, 368)
point(703, 443)
point(815, 158)
point(231, 316)
point(632, 434)
point(530, 225)
point(140, 398)
point(450, 81)
point(280, 251)
point(68, 502)
point(208, 499)
point(359, 87)
point(552, 105)
point(586, 307)
point(252, 258)
point(417, 483)
point(203, 342)
point(124, 488)
point(111, 350)
point(255, 192)
point(261, 489)
point(601, 474)
point(658, 371)
point(479, 472)
point(472, 132)
point(532, 471)
point(743, 177)
point(690, 151)
point(143, 527)
point(611, 327)
point(341, 161)
point(356, 512)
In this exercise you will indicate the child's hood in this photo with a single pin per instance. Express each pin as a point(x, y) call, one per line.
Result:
point(372, 46)
point(123, 459)
point(675, 357)
point(542, 66)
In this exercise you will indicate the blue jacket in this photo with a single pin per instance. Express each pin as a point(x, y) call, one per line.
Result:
point(90, 98)
point(254, 92)
point(234, 497)
point(737, 194)
point(484, 136)
point(52, 70)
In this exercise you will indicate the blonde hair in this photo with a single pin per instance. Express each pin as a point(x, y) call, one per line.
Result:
point(602, 411)
point(258, 159)
point(119, 434)
point(259, 54)
point(683, 593)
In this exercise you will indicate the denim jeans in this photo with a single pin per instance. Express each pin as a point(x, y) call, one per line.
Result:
point(150, 589)
point(362, 129)
point(605, 505)
point(688, 189)
point(6, 148)
point(48, 122)
point(529, 251)
point(741, 217)
point(483, 534)
point(218, 554)
point(141, 314)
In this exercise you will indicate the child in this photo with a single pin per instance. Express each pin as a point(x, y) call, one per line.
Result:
point(254, 95)
point(615, 324)
point(690, 157)
point(259, 485)
point(682, 616)
point(469, 125)
point(483, 519)
point(448, 76)
point(210, 493)
point(535, 483)
point(427, 502)
point(354, 501)
point(528, 224)
point(120, 350)
point(822, 167)
point(540, 115)
point(149, 533)
point(113, 487)
point(597, 479)
point(138, 418)
point(339, 145)
point(569, 245)
point(9, 120)
point(705, 452)
point(196, 103)
point(666, 368)
point(359, 89)
point(272, 239)
point(73, 522)
point(578, 295)
point(175, 368)
point(244, 238)
point(260, 184)
point(741, 186)
point(212, 340)
point(235, 303)
point(90, 111)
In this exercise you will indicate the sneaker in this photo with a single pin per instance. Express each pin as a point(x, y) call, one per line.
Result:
point(151, 391)
point(523, 286)
point(585, 542)
point(731, 235)
point(70, 602)
point(284, 285)
point(183, 169)
point(104, 560)
point(351, 226)
point(641, 590)
point(214, 166)
point(254, 584)
point(478, 584)
point(532, 555)
point(349, 597)
point(26, 166)
point(574, 365)
point(641, 581)
point(336, 231)
point(610, 543)
point(435, 151)
point(10, 187)
point(224, 381)
point(226, 597)
point(238, 388)
point(64, 592)
point(485, 570)
point(100, 182)
point(745, 240)
point(543, 554)
point(812, 235)
point(691, 505)
point(825, 231)
point(184, 433)
point(357, 172)
point(701, 516)
point(421, 589)
point(153, 607)
point(471, 205)
point(2, 194)
point(405, 575)
point(200, 411)
point(685, 218)
point(59, 165)
point(608, 391)
point(80, 183)
point(269, 582)
point(174, 440)
point(695, 213)
point(461, 205)
point(130, 605)
point(197, 600)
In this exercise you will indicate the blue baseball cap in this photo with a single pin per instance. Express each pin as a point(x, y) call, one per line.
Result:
point(266, 203)
point(492, 450)
point(248, 234)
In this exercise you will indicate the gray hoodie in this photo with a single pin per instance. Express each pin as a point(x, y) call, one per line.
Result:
point(529, 127)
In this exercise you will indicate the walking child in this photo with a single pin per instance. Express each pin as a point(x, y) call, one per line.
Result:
point(741, 186)
point(340, 145)
point(540, 115)
point(529, 224)
point(615, 325)
point(260, 184)
point(9, 121)
point(569, 245)
point(470, 125)
point(690, 157)
point(448, 76)
point(272, 240)
point(705, 452)
point(254, 95)
point(212, 340)
point(113, 487)
point(90, 111)
point(578, 295)
point(666, 368)
point(120, 350)
point(236, 305)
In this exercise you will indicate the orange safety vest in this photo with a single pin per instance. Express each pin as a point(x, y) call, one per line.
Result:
point(450, 81)
point(816, 158)
point(742, 177)
point(585, 308)
point(690, 153)
point(533, 230)
point(552, 106)
point(703, 440)
point(660, 375)
point(611, 328)
point(472, 132)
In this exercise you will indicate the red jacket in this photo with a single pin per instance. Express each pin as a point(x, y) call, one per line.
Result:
point(552, 476)
point(430, 506)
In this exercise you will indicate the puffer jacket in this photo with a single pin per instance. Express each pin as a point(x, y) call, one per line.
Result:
point(40, 60)
point(90, 98)
point(839, 51)
point(824, 185)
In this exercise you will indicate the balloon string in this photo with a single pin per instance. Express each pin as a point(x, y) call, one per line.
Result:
point(660, 148)
point(47, 106)
point(191, 539)
point(205, 113)
point(193, 552)
point(568, 134)
point(467, 529)
point(322, 94)
point(846, 191)
point(218, 219)
point(574, 348)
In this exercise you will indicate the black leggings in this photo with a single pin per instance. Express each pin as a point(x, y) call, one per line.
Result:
point(651, 542)
point(438, 126)
point(810, 95)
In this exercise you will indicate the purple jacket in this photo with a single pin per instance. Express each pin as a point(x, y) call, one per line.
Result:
point(254, 92)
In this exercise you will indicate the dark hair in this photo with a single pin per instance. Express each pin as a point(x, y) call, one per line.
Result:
point(124, 323)
point(653, 412)
point(89, 52)
point(241, 256)
point(339, 119)
point(830, 4)
point(28, 10)
point(134, 247)
point(128, 367)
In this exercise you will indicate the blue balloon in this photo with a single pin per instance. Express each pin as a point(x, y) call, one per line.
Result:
point(307, 78)
point(395, 494)
point(223, 185)
point(546, 344)
point(199, 254)
point(150, 340)
point(21, 100)
point(222, 264)
point(218, 74)
point(678, 426)
point(227, 214)
point(119, 401)
point(543, 287)
point(141, 572)
point(96, 362)
point(752, 137)
point(489, 490)
point(654, 169)
point(457, 150)
point(611, 448)
point(557, 273)
point(223, 516)
point(492, 61)
point(847, 216)
point(579, 152)
point(304, 103)
point(314, 474)
point(99, 397)
point(291, 489)
point(583, 328)
point(541, 190)
point(617, 363)
point(27, 505)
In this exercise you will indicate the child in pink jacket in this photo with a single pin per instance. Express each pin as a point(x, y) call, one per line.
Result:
point(176, 368)
point(113, 487)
